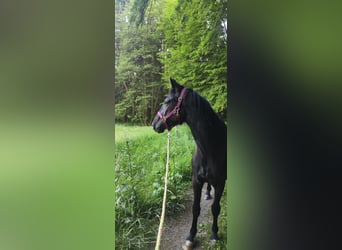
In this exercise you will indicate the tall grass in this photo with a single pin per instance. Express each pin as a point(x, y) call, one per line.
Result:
point(140, 158)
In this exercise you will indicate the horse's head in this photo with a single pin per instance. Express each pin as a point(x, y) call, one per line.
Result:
point(171, 112)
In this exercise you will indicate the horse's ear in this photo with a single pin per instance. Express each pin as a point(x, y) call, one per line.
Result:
point(175, 85)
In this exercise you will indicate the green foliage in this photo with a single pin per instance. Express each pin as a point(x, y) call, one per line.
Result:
point(139, 8)
point(139, 177)
point(138, 92)
point(183, 39)
point(195, 50)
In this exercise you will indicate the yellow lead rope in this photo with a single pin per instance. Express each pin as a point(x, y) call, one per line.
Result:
point(165, 191)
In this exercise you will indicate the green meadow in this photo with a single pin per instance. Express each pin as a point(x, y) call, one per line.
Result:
point(140, 158)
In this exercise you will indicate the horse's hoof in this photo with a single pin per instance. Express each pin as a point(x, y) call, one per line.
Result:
point(207, 197)
point(212, 242)
point(188, 245)
point(214, 237)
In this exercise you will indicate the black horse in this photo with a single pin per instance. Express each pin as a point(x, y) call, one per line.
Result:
point(209, 162)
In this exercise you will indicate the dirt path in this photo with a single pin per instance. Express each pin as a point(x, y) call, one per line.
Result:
point(176, 228)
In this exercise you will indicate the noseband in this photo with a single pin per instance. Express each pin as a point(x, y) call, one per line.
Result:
point(175, 111)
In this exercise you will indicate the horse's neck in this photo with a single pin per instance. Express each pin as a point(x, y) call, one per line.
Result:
point(197, 135)
point(200, 130)
point(206, 128)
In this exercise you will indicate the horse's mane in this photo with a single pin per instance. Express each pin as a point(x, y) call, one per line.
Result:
point(204, 109)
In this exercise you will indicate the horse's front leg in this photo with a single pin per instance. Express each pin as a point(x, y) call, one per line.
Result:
point(196, 208)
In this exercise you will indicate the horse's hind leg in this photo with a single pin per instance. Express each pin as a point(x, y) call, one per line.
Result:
point(215, 209)
point(196, 208)
point(207, 195)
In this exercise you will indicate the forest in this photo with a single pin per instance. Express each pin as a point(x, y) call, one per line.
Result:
point(158, 39)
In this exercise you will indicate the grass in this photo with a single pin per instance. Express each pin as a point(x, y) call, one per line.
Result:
point(140, 158)
point(125, 132)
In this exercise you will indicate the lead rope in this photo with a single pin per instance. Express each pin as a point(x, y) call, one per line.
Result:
point(165, 191)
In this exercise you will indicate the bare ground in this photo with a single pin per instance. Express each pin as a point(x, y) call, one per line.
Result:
point(176, 228)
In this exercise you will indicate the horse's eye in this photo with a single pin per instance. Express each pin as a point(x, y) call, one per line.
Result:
point(169, 100)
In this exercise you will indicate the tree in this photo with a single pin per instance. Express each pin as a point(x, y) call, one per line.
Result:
point(195, 50)
point(157, 39)
point(138, 85)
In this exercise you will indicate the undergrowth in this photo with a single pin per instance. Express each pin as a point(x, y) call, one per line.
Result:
point(140, 158)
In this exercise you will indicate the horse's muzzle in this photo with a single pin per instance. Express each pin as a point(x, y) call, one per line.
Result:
point(158, 125)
